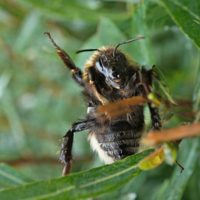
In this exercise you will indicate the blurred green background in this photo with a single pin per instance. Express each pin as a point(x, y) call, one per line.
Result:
point(39, 100)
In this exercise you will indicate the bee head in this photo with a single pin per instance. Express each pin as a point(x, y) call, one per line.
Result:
point(112, 64)
point(114, 69)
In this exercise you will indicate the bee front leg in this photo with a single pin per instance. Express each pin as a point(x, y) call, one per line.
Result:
point(66, 147)
point(76, 72)
point(68, 62)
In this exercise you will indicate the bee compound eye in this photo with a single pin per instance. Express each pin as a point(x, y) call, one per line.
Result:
point(116, 74)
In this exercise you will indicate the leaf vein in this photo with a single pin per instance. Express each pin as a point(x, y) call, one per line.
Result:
point(17, 180)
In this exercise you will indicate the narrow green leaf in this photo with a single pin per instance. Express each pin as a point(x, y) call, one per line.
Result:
point(179, 181)
point(160, 85)
point(196, 95)
point(185, 14)
point(158, 75)
point(71, 10)
point(15, 123)
point(11, 177)
point(4, 81)
point(142, 53)
point(109, 33)
point(132, 1)
point(26, 31)
point(182, 111)
point(152, 160)
point(81, 185)
point(167, 116)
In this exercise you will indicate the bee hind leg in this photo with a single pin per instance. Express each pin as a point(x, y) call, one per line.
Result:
point(66, 147)
point(144, 90)
point(66, 152)
point(155, 117)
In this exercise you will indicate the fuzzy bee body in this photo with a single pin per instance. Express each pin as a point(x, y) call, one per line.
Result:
point(110, 76)
point(120, 138)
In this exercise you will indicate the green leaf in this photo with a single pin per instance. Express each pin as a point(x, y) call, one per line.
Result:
point(11, 177)
point(158, 75)
point(179, 181)
point(132, 1)
point(81, 185)
point(185, 14)
point(182, 110)
point(109, 33)
point(72, 10)
point(27, 30)
point(142, 53)
point(160, 85)
point(196, 95)
point(152, 160)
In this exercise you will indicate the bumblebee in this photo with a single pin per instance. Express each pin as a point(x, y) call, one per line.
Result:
point(110, 76)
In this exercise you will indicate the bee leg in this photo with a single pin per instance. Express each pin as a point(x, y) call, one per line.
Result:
point(76, 72)
point(155, 117)
point(144, 91)
point(95, 87)
point(66, 147)
point(66, 152)
point(68, 62)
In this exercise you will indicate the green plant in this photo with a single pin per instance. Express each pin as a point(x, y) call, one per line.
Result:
point(39, 102)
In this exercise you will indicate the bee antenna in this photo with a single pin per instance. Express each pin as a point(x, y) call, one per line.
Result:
point(84, 50)
point(138, 38)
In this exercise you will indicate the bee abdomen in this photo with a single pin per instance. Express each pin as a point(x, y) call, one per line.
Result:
point(112, 146)
point(120, 149)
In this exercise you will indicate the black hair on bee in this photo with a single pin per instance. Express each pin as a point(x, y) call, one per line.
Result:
point(110, 76)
